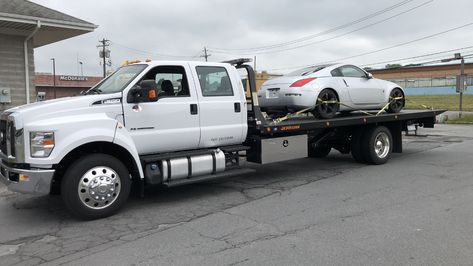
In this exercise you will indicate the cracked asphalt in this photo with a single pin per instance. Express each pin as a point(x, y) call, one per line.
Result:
point(416, 209)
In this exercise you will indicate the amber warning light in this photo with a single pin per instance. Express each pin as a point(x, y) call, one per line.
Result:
point(152, 94)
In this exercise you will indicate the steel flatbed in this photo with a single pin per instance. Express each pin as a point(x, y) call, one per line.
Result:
point(370, 137)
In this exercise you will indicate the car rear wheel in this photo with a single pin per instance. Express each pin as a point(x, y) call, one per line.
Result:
point(326, 105)
point(396, 97)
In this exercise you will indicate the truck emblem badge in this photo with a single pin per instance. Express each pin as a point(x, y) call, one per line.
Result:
point(285, 143)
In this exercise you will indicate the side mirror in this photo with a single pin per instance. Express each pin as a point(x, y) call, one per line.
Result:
point(145, 92)
point(369, 76)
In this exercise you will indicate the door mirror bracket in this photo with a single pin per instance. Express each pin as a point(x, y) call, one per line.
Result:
point(145, 92)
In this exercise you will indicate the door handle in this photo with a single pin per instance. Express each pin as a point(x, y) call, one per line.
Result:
point(237, 107)
point(345, 82)
point(193, 109)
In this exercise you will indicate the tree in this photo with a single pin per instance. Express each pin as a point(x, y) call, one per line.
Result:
point(393, 65)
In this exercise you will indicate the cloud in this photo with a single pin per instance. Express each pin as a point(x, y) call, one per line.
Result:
point(184, 27)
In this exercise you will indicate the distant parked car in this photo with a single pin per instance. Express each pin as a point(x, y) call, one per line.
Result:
point(310, 87)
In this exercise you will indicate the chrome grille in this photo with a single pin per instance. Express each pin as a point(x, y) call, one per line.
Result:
point(3, 137)
point(7, 138)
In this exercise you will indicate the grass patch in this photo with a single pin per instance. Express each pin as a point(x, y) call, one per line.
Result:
point(450, 102)
point(466, 119)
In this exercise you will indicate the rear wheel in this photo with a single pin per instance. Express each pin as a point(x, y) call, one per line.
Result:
point(319, 151)
point(95, 186)
point(326, 105)
point(356, 146)
point(377, 145)
point(396, 97)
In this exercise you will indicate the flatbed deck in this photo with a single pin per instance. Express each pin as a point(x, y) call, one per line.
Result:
point(303, 123)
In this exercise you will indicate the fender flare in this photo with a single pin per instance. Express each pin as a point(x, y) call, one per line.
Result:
point(123, 138)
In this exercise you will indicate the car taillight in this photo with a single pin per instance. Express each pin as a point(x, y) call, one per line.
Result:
point(302, 82)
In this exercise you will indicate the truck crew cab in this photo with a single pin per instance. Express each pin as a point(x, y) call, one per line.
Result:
point(170, 123)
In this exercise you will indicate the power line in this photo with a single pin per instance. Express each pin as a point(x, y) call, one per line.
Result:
point(419, 56)
point(151, 53)
point(382, 49)
point(337, 36)
point(351, 23)
point(435, 61)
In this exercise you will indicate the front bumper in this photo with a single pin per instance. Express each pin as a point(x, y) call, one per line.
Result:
point(28, 181)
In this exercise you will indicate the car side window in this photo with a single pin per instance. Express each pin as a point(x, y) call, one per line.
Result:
point(351, 71)
point(214, 81)
point(171, 81)
point(336, 73)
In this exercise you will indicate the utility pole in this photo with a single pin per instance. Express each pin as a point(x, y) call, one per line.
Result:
point(206, 54)
point(104, 54)
point(54, 77)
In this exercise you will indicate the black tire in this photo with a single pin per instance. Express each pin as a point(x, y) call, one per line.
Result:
point(397, 105)
point(375, 152)
point(112, 186)
point(319, 151)
point(356, 146)
point(326, 110)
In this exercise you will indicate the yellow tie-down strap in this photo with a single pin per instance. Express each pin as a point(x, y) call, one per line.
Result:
point(320, 102)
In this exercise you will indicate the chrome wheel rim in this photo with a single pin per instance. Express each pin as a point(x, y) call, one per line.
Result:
point(382, 145)
point(99, 187)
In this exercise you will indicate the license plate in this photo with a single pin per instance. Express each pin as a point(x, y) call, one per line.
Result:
point(272, 93)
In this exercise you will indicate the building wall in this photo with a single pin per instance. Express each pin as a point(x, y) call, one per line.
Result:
point(440, 71)
point(12, 70)
point(64, 88)
point(60, 91)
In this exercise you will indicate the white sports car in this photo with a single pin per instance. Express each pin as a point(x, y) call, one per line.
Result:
point(329, 89)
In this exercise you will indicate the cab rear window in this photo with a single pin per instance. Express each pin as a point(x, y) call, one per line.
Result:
point(214, 81)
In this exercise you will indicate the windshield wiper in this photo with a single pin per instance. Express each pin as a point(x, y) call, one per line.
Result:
point(93, 91)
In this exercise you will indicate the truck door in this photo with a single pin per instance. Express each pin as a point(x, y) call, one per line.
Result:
point(222, 105)
point(172, 122)
point(362, 90)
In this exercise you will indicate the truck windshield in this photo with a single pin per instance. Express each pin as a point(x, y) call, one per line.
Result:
point(117, 81)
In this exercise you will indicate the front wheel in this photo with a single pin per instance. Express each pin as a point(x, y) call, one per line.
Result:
point(397, 101)
point(95, 186)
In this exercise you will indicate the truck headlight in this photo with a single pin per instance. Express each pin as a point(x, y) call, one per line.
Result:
point(41, 144)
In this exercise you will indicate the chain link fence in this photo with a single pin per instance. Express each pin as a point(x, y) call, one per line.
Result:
point(430, 82)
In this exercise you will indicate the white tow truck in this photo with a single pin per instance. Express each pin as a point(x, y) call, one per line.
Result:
point(171, 123)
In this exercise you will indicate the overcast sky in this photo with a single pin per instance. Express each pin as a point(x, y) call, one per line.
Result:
point(298, 33)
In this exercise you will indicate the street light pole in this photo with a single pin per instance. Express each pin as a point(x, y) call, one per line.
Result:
point(54, 76)
point(81, 68)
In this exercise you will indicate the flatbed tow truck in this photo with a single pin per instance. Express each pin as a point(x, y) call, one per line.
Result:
point(142, 126)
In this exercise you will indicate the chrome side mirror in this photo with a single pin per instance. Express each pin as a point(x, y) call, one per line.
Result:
point(369, 76)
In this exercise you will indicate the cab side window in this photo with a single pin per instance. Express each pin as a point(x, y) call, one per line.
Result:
point(214, 81)
point(171, 81)
point(352, 71)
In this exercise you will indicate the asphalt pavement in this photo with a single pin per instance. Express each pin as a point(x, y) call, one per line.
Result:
point(416, 210)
